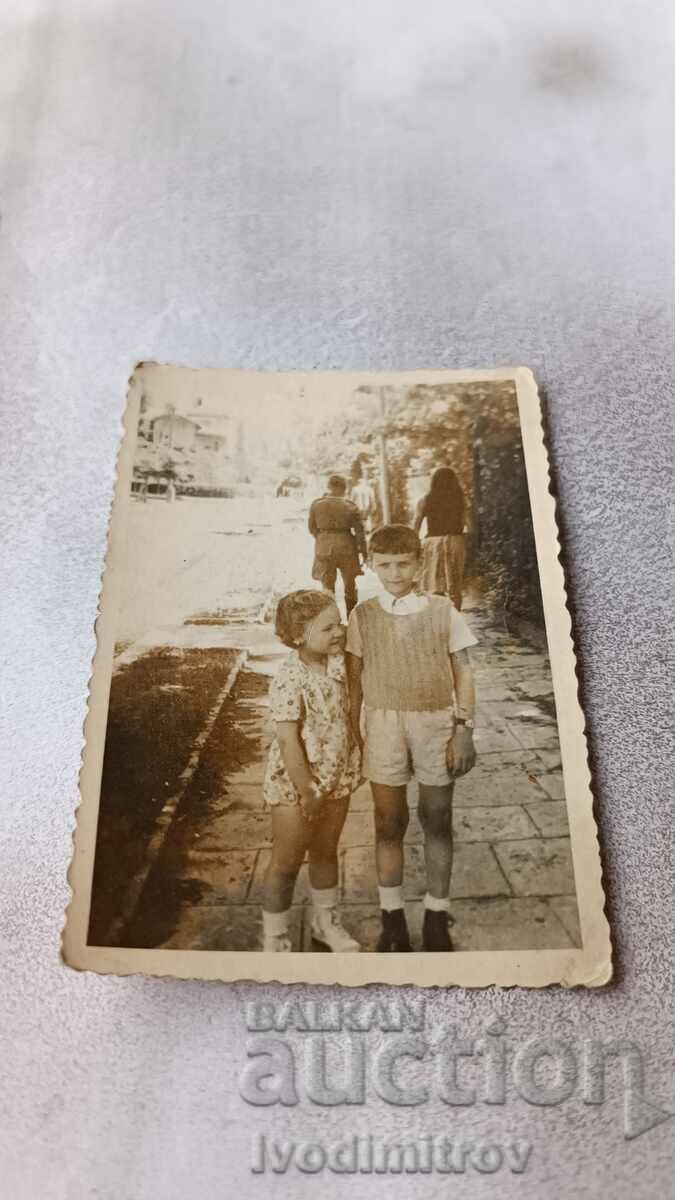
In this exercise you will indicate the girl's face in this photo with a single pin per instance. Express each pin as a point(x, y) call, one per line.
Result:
point(324, 634)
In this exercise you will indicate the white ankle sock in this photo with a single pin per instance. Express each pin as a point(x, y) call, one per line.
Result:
point(436, 905)
point(324, 897)
point(390, 898)
point(275, 924)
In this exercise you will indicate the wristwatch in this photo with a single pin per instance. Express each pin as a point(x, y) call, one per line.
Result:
point(468, 721)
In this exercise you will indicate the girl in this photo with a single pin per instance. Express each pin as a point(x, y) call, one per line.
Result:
point(313, 767)
point(443, 508)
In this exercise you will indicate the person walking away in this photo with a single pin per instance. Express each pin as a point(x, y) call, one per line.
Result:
point(313, 767)
point(340, 542)
point(408, 663)
point(363, 496)
point(444, 509)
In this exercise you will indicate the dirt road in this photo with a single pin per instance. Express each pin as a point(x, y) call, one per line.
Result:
point(199, 555)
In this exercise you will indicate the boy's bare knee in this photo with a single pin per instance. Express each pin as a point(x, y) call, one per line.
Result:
point(435, 813)
point(391, 826)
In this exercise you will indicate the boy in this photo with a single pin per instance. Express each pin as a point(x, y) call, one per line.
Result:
point(407, 660)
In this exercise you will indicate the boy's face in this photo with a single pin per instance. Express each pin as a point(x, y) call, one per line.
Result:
point(396, 572)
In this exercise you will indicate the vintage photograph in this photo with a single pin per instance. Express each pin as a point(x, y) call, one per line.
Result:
point(334, 732)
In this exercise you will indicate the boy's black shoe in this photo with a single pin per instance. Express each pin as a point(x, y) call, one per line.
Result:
point(435, 934)
point(394, 938)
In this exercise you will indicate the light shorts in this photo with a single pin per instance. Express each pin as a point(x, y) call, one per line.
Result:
point(399, 745)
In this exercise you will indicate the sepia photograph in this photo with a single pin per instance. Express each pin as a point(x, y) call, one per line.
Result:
point(334, 706)
point(337, 815)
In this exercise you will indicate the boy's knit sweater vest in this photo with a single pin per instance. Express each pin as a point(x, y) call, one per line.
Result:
point(405, 659)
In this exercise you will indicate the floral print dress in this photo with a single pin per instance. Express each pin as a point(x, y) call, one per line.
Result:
point(319, 701)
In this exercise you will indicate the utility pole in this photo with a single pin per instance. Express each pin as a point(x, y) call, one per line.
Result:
point(384, 466)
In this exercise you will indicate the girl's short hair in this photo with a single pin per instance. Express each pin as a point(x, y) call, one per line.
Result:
point(296, 610)
point(395, 539)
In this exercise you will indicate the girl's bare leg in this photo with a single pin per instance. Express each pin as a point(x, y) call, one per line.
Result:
point(327, 928)
point(290, 840)
point(325, 835)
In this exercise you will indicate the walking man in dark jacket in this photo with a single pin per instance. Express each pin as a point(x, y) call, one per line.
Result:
point(336, 526)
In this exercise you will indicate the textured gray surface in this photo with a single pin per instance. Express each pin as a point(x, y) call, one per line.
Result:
point(326, 185)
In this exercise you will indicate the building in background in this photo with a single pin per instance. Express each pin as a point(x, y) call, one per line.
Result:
point(170, 431)
point(213, 448)
point(195, 451)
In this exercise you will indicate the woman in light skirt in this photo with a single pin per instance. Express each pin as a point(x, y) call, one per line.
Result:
point(443, 508)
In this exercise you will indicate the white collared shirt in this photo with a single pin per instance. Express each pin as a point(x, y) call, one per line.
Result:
point(460, 638)
point(403, 606)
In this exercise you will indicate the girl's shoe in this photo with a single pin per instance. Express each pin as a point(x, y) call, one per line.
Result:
point(277, 943)
point(394, 938)
point(328, 931)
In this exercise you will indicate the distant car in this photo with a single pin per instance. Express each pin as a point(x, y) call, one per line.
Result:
point(290, 484)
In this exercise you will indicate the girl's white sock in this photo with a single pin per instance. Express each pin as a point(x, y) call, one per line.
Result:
point(324, 897)
point(390, 898)
point(276, 924)
point(435, 905)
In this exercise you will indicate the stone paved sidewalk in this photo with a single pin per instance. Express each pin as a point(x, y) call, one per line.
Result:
point(512, 880)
